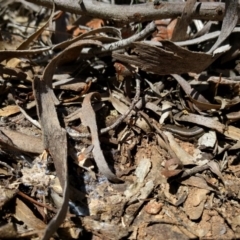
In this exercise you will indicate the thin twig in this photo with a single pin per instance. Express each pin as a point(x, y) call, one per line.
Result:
point(191, 172)
point(150, 28)
point(135, 100)
point(197, 40)
point(34, 122)
point(73, 133)
point(36, 202)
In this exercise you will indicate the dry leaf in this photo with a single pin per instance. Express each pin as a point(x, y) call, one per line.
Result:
point(194, 204)
point(9, 110)
point(95, 23)
point(167, 59)
point(89, 119)
point(229, 22)
point(25, 214)
point(165, 29)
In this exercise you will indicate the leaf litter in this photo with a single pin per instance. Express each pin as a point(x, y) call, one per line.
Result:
point(118, 130)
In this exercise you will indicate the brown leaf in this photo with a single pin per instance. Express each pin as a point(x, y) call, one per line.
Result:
point(208, 106)
point(168, 59)
point(75, 30)
point(170, 173)
point(9, 110)
point(54, 136)
point(194, 204)
point(65, 44)
point(183, 156)
point(172, 168)
point(25, 214)
point(198, 182)
point(77, 87)
point(88, 118)
point(188, 89)
point(214, 167)
point(21, 141)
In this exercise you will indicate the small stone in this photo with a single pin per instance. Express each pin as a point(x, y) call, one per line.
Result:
point(153, 207)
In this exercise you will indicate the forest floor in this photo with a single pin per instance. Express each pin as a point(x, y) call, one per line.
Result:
point(116, 129)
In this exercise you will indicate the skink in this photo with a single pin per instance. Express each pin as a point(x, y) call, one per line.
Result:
point(184, 133)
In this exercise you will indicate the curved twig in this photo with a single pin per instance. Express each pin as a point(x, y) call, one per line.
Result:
point(135, 100)
point(150, 28)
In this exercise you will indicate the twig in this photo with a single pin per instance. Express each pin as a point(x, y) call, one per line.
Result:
point(135, 100)
point(36, 202)
point(34, 122)
point(122, 43)
point(181, 223)
point(137, 12)
point(118, 121)
point(190, 172)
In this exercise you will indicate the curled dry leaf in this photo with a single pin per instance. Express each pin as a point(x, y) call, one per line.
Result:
point(88, 118)
point(188, 89)
point(161, 61)
point(117, 104)
point(92, 33)
point(180, 30)
point(229, 22)
point(208, 106)
point(183, 156)
point(143, 124)
point(214, 167)
point(55, 139)
point(122, 71)
point(172, 168)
